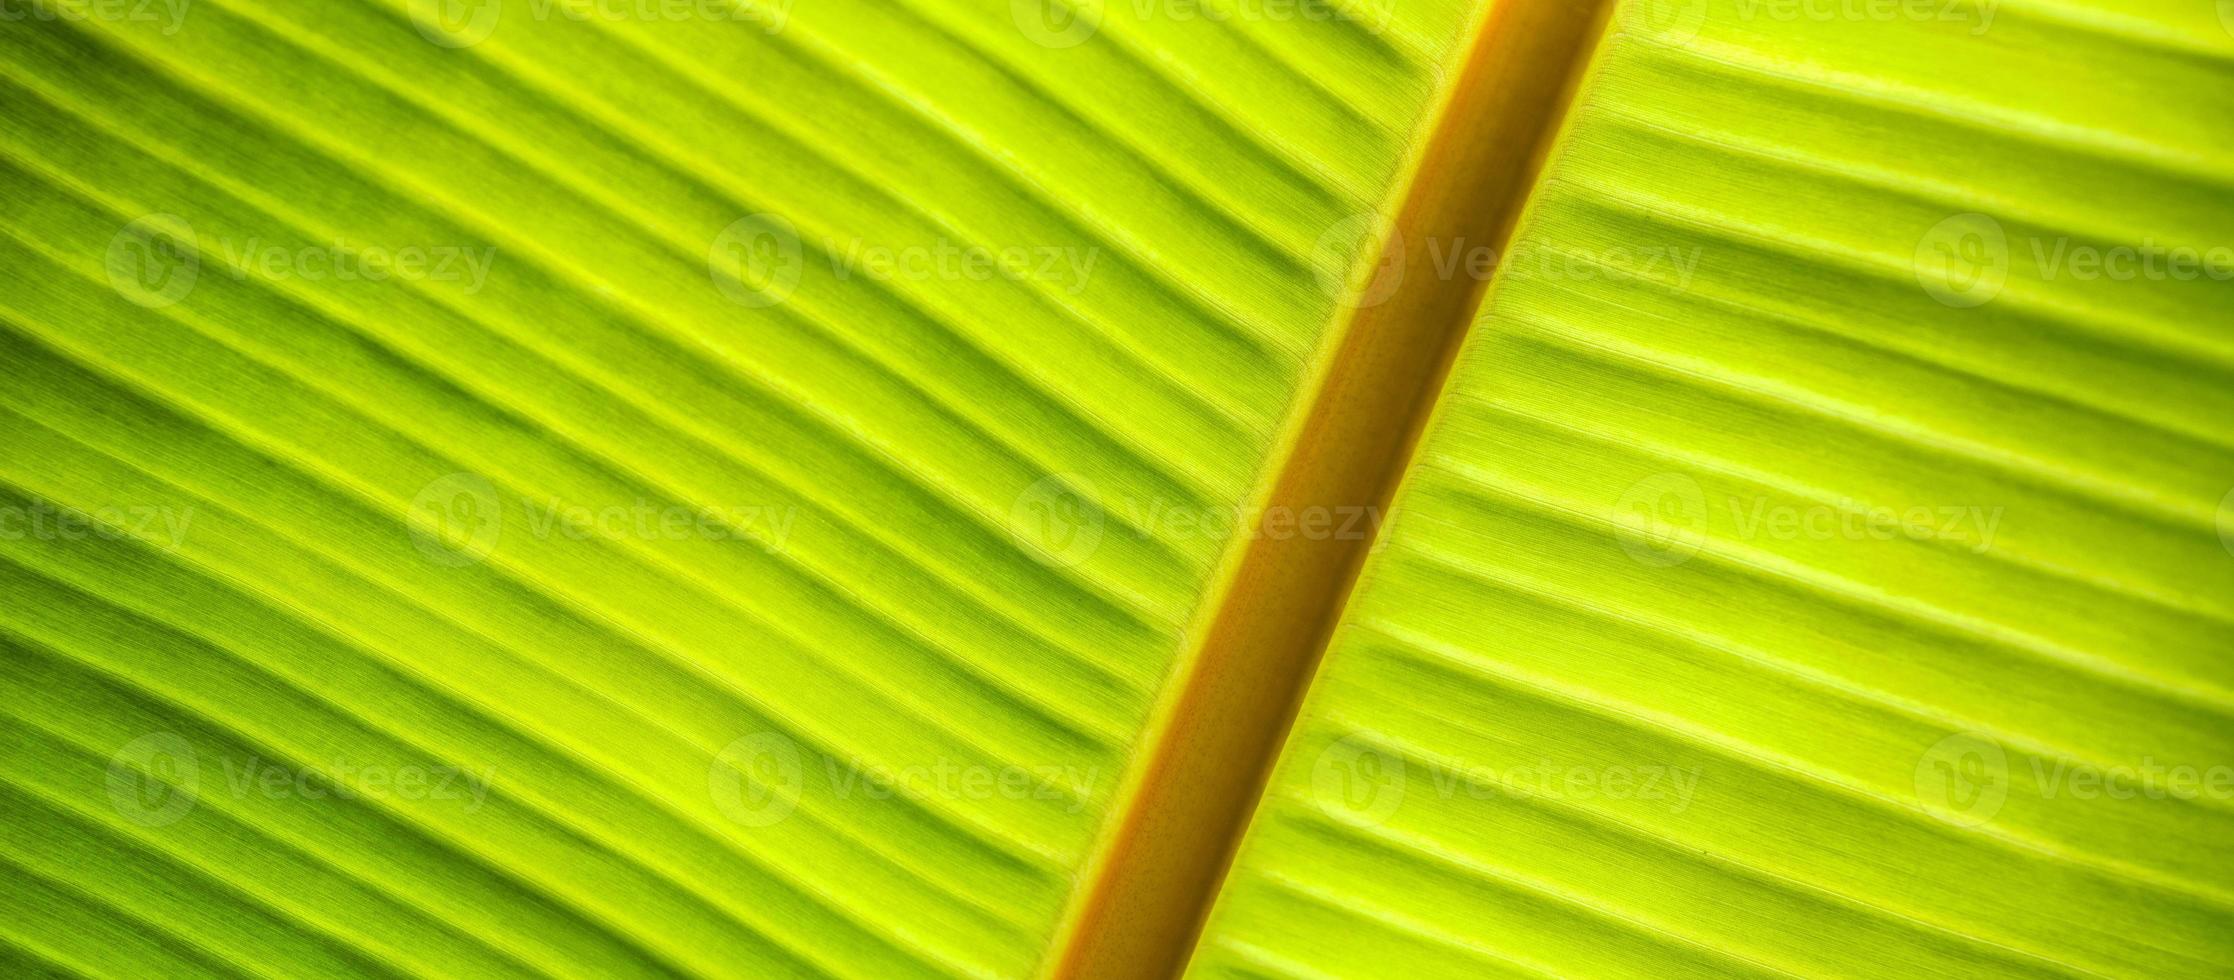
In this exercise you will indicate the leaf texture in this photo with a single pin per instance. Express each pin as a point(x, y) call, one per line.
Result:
point(1822, 560)
point(744, 545)
point(538, 487)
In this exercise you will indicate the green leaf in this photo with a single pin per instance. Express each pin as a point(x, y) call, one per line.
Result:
point(1820, 562)
point(755, 487)
point(737, 523)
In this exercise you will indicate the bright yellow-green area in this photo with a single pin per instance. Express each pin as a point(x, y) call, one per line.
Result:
point(736, 525)
point(1823, 561)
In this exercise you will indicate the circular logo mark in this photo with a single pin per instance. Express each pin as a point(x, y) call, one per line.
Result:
point(1341, 246)
point(1056, 23)
point(756, 780)
point(155, 260)
point(1353, 776)
point(460, 518)
point(1963, 779)
point(756, 261)
point(1963, 261)
point(1671, 22)
point(153, 780)
point(1058, 520)
point(456, 23)
point(1661, 519)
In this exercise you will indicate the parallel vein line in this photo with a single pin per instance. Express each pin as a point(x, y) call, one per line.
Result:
point(1767, 567)
point(1580, 429)
point(602, 380)
point(577, 828)
point(496, 230)
point(527, 731)
point(349, 488)
point(1681, 729)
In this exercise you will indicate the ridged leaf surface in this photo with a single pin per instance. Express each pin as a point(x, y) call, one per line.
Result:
point(1822, 561)
point(740, 543)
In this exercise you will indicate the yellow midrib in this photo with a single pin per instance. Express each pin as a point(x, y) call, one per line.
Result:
point(1217, 729)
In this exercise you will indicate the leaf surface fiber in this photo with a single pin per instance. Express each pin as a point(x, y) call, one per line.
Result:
point(1809, 569)
point(769, 612)
point(770, 488)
